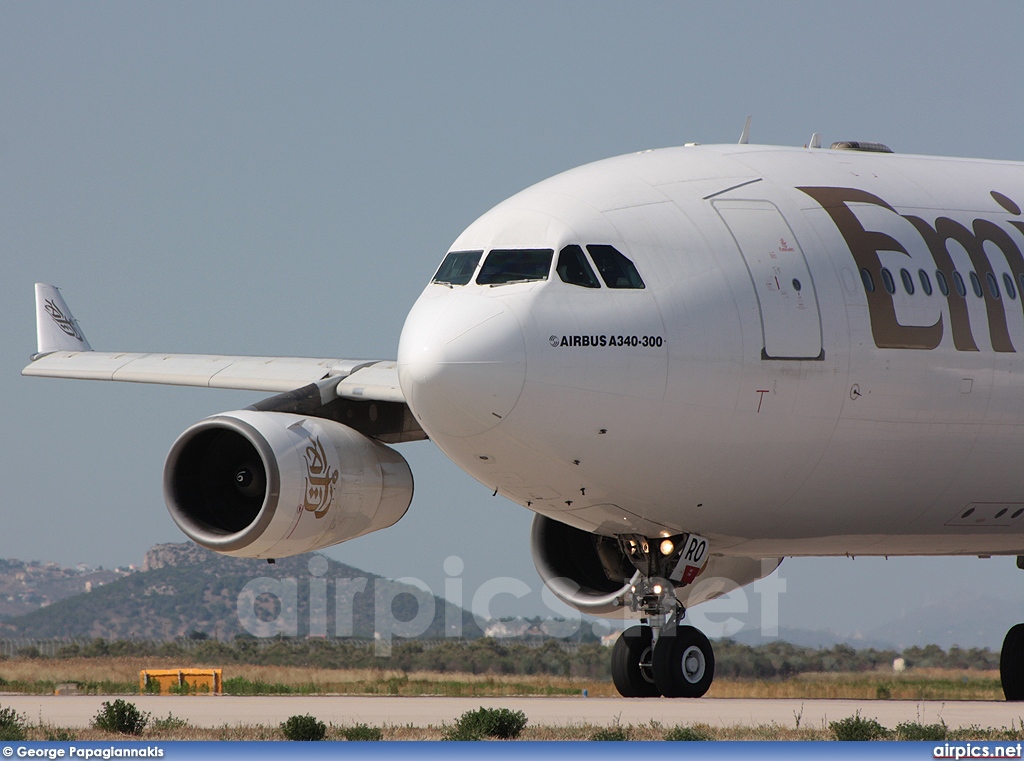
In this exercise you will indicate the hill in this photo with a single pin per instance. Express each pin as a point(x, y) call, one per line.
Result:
point(28, 586)
point(184, 590)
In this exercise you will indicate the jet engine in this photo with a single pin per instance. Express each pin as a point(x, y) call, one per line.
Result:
point(590, 572)
point(271, 484)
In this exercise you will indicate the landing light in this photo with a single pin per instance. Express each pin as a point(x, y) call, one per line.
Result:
point(667, 547)
point(657, 589)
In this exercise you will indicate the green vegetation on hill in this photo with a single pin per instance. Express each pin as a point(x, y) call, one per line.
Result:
point(184, 588)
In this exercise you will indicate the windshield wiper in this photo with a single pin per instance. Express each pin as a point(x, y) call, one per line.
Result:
point(520, 280)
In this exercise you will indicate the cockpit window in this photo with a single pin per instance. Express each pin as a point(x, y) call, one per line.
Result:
point(574, 268)
point(518, 265)
point(458, 267)
point(616, 270)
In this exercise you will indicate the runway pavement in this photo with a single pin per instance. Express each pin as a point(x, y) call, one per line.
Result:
point(215, 711)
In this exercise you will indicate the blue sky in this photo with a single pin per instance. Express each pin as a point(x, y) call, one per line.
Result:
point(262, 178)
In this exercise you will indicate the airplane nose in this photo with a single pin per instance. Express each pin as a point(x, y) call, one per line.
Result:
point(461, 363)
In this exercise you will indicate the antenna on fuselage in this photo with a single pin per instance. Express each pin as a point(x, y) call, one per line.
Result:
point(745, 135)
point(815, 141)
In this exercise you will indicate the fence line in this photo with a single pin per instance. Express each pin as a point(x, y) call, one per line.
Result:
point(49, 648)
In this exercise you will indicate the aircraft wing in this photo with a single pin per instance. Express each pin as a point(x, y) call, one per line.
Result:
point(64, 352)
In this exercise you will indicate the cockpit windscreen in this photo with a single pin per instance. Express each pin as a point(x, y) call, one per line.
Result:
point(458, 267)
point(616, 270)
point(573, 268)
point(518, 265)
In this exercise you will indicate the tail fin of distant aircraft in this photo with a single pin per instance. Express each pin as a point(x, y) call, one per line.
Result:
point(56, 328)
point(745, 135)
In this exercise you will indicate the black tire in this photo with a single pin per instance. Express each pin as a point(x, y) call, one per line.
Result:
point(684, 663)
point(631, 664)
point(1011, 663)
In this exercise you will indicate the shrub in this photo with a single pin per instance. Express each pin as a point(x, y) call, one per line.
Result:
point(680, 733)
point(59, 734)
point(304, 728)
point(12, 726)
point(170, 723)
point(611, 734)
point(858, 728)
point(914, 730)
point(362, 733)
point(882, 692)
point(121, 717)
point(500, 723)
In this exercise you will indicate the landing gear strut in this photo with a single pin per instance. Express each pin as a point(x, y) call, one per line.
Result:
point(663, 656)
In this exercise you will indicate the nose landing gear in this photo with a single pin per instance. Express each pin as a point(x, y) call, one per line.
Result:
point(662, 656)
point(679, 664)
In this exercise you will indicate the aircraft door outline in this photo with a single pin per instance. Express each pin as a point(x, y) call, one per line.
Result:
point(786, 297)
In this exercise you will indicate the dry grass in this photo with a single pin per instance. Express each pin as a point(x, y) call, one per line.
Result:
point(78, 669)
point(106, 674)
point(913, 684)
point(392, 681)
point(656, 731)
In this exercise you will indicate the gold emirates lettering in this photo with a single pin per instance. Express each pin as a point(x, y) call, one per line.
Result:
point(320, 480)
point(864, 245)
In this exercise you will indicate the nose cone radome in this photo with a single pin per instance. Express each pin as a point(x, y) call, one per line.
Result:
point(461, 363)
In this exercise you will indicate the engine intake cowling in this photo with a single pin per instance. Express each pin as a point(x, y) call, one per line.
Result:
point(584, 570)
point(271, 484)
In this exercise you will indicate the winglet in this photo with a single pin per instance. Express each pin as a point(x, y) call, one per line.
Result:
point(56, 328)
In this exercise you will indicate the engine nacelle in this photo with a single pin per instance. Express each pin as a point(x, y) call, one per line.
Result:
point(589, 571)
point(272, 484)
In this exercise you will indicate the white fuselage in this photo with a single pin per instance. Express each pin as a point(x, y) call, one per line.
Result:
point(761, 396)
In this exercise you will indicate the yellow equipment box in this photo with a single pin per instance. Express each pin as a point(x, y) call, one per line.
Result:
point(181, 681)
